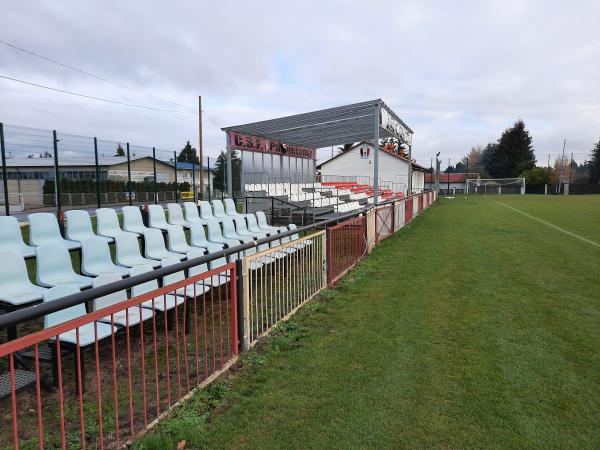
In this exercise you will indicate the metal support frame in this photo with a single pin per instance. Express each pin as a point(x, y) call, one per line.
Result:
point(4, 171)
point(98, 202)
point(56, 171)
point(376, 155)
point(176, 185)
point(154, 168)
point(229, 168)
point(129, 176)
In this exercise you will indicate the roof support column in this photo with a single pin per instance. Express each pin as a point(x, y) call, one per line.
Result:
point(376, 155)
point(410, 171)
point(229, 168)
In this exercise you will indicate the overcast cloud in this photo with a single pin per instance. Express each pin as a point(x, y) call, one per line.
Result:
point(458, 72)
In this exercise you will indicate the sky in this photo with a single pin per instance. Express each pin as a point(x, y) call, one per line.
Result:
point(457, 72)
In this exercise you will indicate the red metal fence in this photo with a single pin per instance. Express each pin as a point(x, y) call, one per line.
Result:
point(408, 209)
point(346, 245)
point(384, 221)
point(100, 384)
point(420, 203)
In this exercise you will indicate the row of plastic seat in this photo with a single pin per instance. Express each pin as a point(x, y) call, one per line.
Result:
point(347, 207)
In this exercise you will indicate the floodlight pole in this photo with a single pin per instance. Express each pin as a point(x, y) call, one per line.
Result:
point(376, 155)
point(562, 161)
point(229, 168)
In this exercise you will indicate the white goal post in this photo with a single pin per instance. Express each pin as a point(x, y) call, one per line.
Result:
point(495, 186)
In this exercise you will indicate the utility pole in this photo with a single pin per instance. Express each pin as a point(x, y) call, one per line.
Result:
point(562, 162)
point(570, 171)
point(437, 173)
point(200, 148)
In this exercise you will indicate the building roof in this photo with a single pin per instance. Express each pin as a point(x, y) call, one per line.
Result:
point(414, 164)
point(74, 161)
point(332, 126)
point(450, 177)
point(188, 166)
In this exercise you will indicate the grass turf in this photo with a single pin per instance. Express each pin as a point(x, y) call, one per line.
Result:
point(473, 327)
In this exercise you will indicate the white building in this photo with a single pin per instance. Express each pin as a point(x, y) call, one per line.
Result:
point(356, 164)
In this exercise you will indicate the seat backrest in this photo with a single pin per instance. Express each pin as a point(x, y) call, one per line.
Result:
point(95, 251)
point(52, 259)
point(197, 235)
point(230, 207)
point(142, 288)
point(240, 225)
point(262, 219)
point(43, 226)
point(191, 211)
point(110, 299)
point(176, 237)
point(63, 315)
point(132, 217)
point(13, 276)
point(214, 230)
point(126, 244)
point(292, 226)
point(107, 221)
point(10, 232)
point(206, 210)
point(78, 223)
point(218, 209)
point(153, 240)
point(175, 213)
point(228, 227)
point(252, 224)
point(201, 268)
point(156, 216)
point(174, 277)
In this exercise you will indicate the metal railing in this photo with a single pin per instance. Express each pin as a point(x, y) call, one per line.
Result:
point(346, 246)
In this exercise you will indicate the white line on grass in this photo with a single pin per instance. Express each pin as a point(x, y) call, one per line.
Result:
point(551, 225)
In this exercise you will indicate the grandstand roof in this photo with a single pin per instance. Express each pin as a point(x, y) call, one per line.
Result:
point(327, 127)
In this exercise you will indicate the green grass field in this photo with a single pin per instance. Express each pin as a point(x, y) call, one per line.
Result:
point(475, 326)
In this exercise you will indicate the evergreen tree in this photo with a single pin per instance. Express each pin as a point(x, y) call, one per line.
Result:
point(595, 164)
point(120, 151)
point(188, 154)
point(220, 171)
point(512, 155)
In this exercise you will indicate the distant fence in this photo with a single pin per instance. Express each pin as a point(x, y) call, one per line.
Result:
point(146, 353)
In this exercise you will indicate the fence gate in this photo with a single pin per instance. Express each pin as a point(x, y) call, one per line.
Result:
point(346, 245)
point(384, 221)
point(398, 215)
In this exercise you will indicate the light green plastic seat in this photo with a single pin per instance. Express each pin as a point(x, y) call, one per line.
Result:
point(198, 239)
point(231, 210)
point(254, 228)
point(87, 333)
point(191, 213)
point(129, 316)
point(15, 287)
point(161, 302)
point(107, 223)
point(242, 228)
point(176, 277)
point(79, 226)
point(96, 259)
point(219, 279)
point(127, 252)
point(175, 214)
point(157, 219)
point(54, 268)
point(154, 246)
point(202, 286)
point(215, 236)
point(44, 230)
point(11, 237)
point(218, 209)
point(132, 220)
point(206, 212)
point(176, 240)
point(295, 236)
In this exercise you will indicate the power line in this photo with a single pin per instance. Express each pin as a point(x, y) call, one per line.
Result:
point(91, 97)
point(84, 72)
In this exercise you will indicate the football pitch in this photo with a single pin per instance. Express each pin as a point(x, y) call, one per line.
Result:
point(475, 326)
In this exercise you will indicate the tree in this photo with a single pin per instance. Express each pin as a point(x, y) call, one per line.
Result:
point(595, 164)
point(188, 154)
point(220, 171)
point(460, 167)
point(473, 162)
point(536, 176)
point(120, 151)
point(512, 155)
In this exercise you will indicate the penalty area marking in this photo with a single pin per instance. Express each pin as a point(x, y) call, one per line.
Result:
point(551, 225)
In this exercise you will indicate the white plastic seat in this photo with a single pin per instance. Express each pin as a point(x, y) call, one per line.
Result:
point(218, 209)
point(231, 210)
point(15, 287)
point(96, 259)
point(107, 223)
point(176, 240)
point(154, 245)
point(204, 285)
point(43, 230)
point(54, 268)
point(157, 219)
point(161, 302)
point(132, 220)
point(219, 279)
point(242, 228)
point(198, 239)
point(206, 212)
point(229, 232)
point(262, 223)
point(87, 332)
point(175, 215)
point(191, 213)
point(127, 253)
point(79, 226)
point(215, 235)
point(254, 228)
point(186, 291)
point(292, 226)
point(11, 237)
point(125, 317)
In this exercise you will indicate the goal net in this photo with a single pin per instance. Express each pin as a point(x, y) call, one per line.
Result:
point(495, 186)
